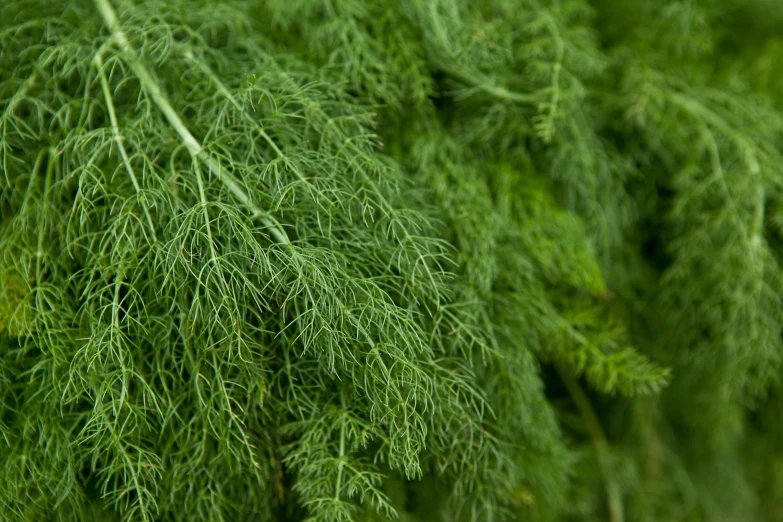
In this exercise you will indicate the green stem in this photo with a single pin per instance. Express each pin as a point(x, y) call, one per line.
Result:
point(118, 139)
point(17, 97)
point(193, 146)
point(593, 426)
point(338, 486)
point(233, 101)
point(191, 143)
point(207, 221)
point(555, 82)
point(477, 81)
point(39, 252)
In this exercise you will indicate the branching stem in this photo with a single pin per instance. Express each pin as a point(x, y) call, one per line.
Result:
point(118, 139)
point(233, 101)
point(496, 91)
point(191, 143)
point(7, 112)
point(338, 485)
point(42, 223)
point(593, 426)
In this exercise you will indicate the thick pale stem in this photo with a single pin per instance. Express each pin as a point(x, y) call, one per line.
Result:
point(193, 146)
point(339, 483)
point(338, 486)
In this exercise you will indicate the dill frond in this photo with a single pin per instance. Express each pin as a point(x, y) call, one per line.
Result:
point(430, 260)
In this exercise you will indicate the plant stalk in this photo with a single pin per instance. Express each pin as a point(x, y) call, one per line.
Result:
point(593, 426)
point(118, 139)
point(193, 146)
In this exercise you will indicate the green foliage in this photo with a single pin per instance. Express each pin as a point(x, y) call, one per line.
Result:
point(337, 260)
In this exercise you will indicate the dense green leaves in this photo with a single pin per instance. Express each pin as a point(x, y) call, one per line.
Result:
point(338, 260)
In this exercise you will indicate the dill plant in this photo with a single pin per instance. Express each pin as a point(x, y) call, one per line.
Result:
point(421, 260)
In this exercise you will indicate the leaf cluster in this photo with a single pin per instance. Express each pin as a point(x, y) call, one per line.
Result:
point(336, 260)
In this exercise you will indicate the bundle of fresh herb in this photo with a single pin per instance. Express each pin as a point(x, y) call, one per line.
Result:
point(425, 260)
